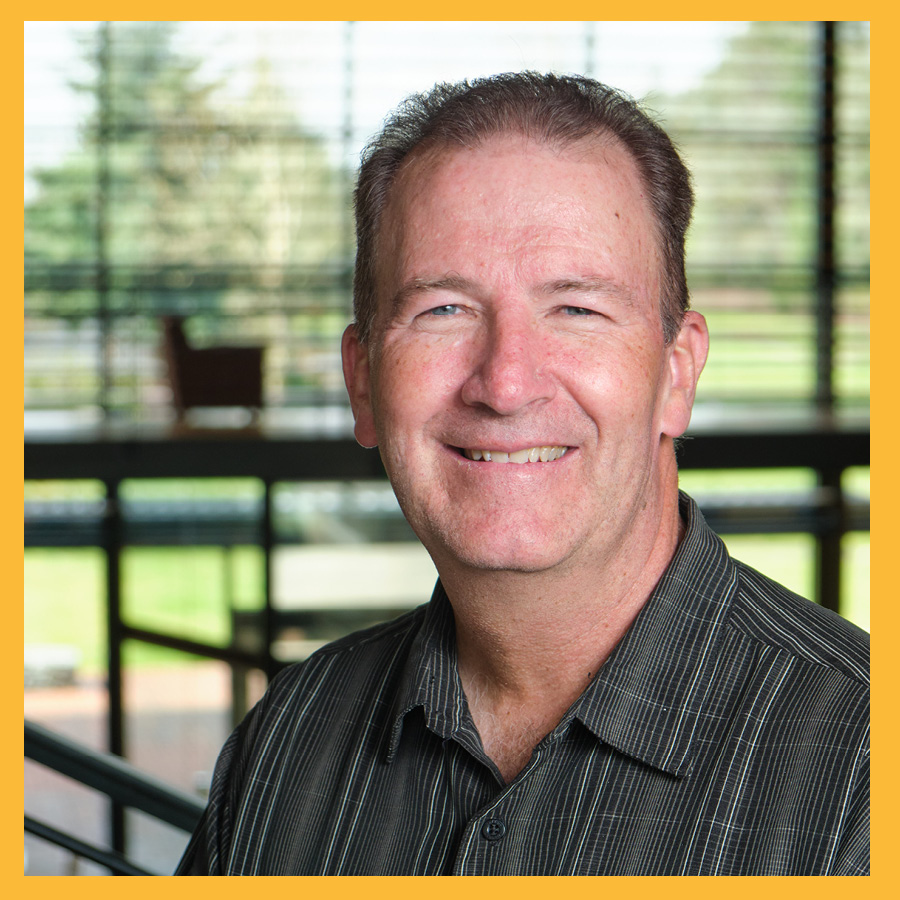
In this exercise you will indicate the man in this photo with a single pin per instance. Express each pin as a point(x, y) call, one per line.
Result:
point(595, 686)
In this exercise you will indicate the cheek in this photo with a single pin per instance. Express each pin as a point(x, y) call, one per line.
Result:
point(601, 364)
point(615, 382)
point(415, 380)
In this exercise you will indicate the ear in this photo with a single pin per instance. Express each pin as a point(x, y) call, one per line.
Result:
point(687, 356)
point(355, 359)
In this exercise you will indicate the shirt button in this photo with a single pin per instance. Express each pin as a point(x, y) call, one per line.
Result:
point(493, 829)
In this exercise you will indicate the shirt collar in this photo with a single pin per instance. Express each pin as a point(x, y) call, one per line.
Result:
point(648, 696)
point(431, 678)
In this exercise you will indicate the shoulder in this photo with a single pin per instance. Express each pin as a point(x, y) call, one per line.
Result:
point(339, 693)
point(313, 715)
point(769, 613)
point(766, 618)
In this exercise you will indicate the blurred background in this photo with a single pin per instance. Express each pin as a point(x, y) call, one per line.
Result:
point(196, 512)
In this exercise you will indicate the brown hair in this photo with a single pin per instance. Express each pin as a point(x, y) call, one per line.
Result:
point(557, 109)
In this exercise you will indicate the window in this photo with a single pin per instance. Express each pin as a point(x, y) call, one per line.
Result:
point(205, 170)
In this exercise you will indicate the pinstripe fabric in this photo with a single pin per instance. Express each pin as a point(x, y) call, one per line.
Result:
point(727, 734)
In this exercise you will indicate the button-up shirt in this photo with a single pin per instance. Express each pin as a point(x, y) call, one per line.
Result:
point(726, 734)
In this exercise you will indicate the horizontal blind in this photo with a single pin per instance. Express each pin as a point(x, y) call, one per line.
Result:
point(205, 169)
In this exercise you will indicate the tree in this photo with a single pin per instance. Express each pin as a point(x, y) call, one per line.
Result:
point(178, 198)
point(756, 179)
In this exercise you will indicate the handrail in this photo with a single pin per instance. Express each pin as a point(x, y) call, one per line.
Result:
point(115, 862)
point(113, 776)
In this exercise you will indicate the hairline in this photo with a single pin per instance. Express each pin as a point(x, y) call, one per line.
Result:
point(431, 149)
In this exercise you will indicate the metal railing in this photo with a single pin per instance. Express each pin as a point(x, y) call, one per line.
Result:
point(124, 784)
point(819, 444)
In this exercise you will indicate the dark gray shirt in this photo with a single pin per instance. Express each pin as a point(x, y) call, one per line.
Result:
point(727, 733)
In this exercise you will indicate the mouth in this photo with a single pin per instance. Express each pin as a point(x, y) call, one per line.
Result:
point(528, 455)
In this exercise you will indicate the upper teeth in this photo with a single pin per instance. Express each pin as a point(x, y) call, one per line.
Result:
point(534, 454)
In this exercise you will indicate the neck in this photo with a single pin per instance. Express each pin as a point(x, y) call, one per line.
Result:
point(529, 643)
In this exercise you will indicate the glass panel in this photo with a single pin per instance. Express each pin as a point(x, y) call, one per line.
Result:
point(855, 590)
point(187, 592)
point(789, 559)
point(761, 345)
point(63, 804)
point(855, 574)
point(205, 169)
point(178, 715)
point(856, 481)
point(192, 555)
point(717, 483)
point(65, 661)
point(852, 347)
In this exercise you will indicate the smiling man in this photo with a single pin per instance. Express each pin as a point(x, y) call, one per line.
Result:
point(596, 687)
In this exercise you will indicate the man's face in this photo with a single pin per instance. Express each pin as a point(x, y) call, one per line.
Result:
point(519, 315)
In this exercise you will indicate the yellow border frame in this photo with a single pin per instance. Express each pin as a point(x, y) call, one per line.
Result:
point(885, 326)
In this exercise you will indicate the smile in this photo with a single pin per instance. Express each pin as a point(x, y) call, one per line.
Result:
point(530, 455)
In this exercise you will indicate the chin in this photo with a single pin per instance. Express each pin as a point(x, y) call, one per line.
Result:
point(524, 557)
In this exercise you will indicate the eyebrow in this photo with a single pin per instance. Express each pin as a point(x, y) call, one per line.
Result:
point(451, 282)
point(591, 285)
point(424, 285)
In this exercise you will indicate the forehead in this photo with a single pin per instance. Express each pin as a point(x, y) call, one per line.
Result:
point(435, 170)
point(512, 196)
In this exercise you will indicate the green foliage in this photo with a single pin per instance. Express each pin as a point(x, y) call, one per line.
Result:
point(756, 180)
point(206, 195)
point(171, 173)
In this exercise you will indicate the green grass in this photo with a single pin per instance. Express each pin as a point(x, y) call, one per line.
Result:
point(188, 591)
point(744, 481)
point(790, 560)
point(65, 601)
point(176, 590)
point(181, 591)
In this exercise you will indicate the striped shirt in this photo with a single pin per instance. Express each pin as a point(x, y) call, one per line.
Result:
point(727, 733)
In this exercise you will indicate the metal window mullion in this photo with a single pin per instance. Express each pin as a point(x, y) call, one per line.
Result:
point(828, 544)
point(826, 266)
point(112, 541)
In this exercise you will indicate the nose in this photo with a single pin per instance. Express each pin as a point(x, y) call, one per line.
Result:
point(509, 366)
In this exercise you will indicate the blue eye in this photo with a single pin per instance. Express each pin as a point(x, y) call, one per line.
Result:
point(578, 311)
point(447, 310)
